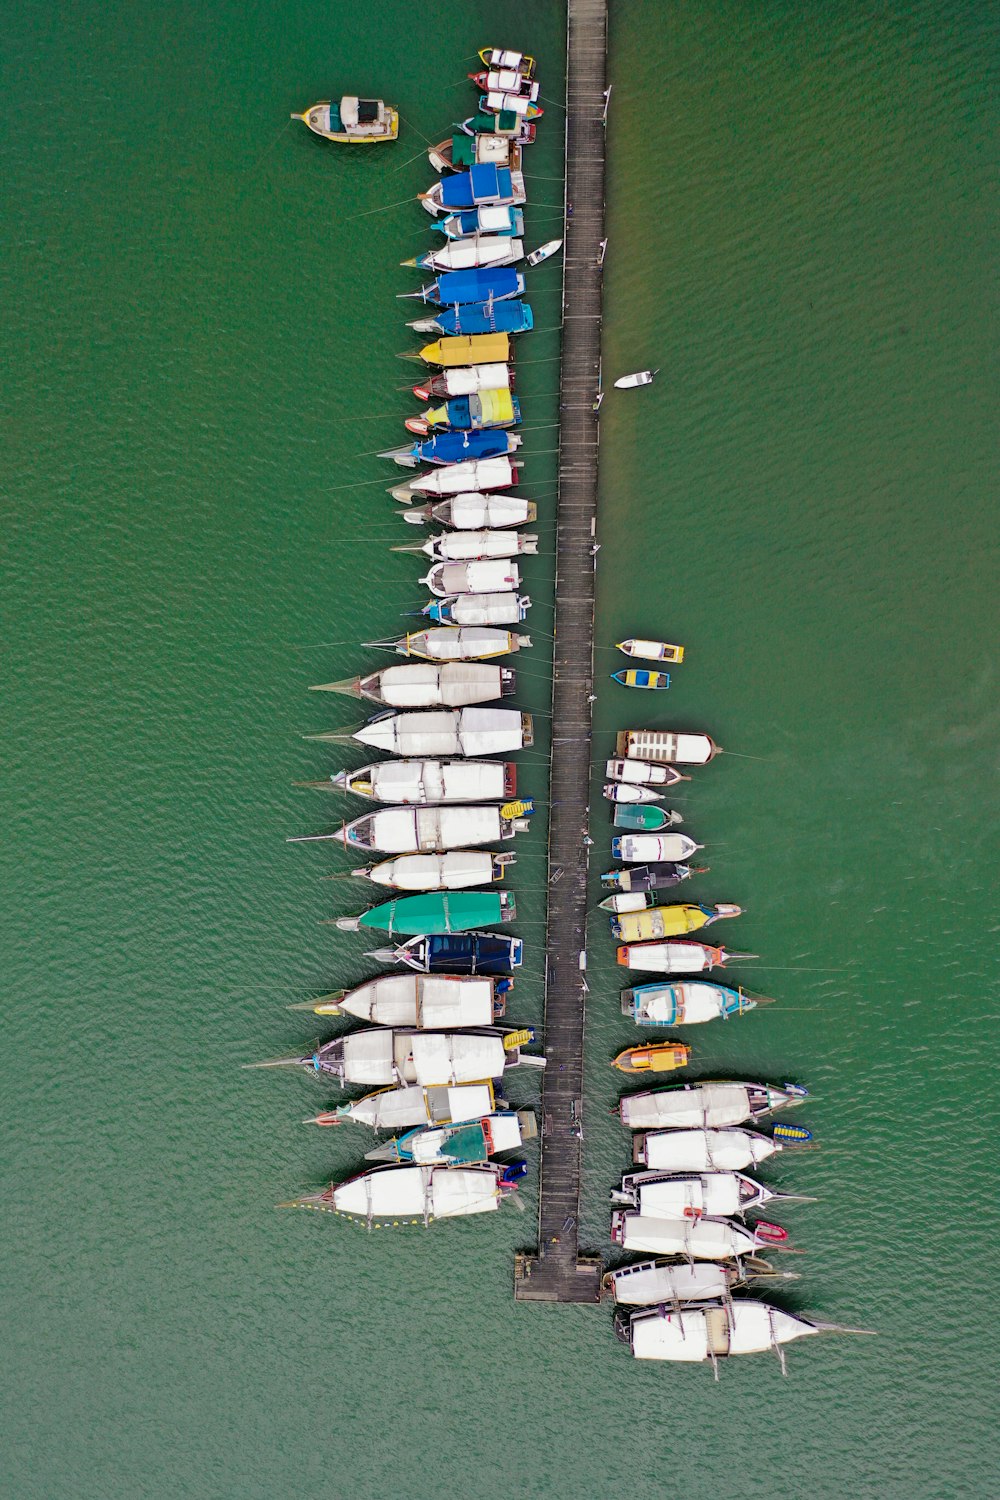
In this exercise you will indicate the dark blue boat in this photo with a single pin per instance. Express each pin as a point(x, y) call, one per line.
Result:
point(648, 877)
point(456, 447)
point(483, 284)
point(456, 953)
point(479, 317)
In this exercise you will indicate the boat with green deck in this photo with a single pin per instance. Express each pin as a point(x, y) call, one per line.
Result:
point(435, 911)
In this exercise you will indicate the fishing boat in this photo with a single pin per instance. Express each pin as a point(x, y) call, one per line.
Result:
point(399, 1109)
point(422, 782)
point(455, 870)
point(475, 546)
point(644, 879)
point(472, 221)
point(641, 377)
point(417, 1194)
point(455, 447)
point(666, 747)
point(435, 1001)
point(623, 792)
point(502, 57)
point(683, 1004)
point(426, 685)
point(638, 677)
point(692, 1195)
point(464, 255)
point(474, 284)
point(471, 349)
point(675, 958)
point(695, 1335)
point(455, 643)
point(488, 576)
point(718, 1102)
point(668, 921)
point(479, 609)
point(543, 252)
point(478, 317)
point(660, 1057)
point(475, 512)
point(455, 479)
point(694, 1239)
point(463, 1145)
point(650, 1281)
point(460, 152)
point(518, 104)
point(456, 952)
point(637, 848)
point(453, 911)
point(649, 650)
point(643, 818)
point(643, 773)
point(712, 1150)
point(482, 186)
point(451, 731)
point(410, 830)
point(493, 123)
point(352, 121)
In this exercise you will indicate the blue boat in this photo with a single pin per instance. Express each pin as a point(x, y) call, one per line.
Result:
point(483, 284)
point(482, 186)
point(482, 221)
point(456, 447)
point(456, 953)
point(479, 317)
point(469, 413)
point(684, 1004)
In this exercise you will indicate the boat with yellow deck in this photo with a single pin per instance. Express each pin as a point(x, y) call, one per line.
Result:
point(650, 650)
point(667, 921)
point(352, 121)
point(658, 1057)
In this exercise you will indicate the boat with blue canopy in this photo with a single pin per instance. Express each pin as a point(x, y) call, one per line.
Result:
point(469, 413)
point(480, 186)
point(455, 447)
point(481, 221)
point(478, 317)
point(455, 953)
point(476, 284)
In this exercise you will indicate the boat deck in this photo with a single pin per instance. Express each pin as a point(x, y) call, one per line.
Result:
point(557, 1272)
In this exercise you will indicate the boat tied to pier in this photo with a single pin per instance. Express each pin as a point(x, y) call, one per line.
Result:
point(418, 1194)
point(637, 646)
point(451, 911)
point(684, 1004)
point(447, 731)
point(712, 1150)
point(423, 782)
point(667, 921)
point(455, 953)
point(718, 1103)
point(434, 1002)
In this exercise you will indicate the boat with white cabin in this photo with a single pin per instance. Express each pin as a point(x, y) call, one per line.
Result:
point(482, 474)
point(466, 1144)
point(428, 684)
point(449, 731)
point(412, 830)
point(694, 1239)
point(652, 848)
point(433, 1001)
point(423, 782)
point(692, 1195)
point(645, 1282)
point(455, 643)
point(475, 512)
point(684, 1004)
point(714, 1331)
point(417, 1193)
point(717, 1103)
point(476, 546)
point(488, 576)
point(454, 870)
point(352, 121)
point(708, 1150)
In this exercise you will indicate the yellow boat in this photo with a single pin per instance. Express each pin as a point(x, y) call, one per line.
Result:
point(661, 1057)
point(650, 650)
point(472, 349)
point(667, 921)
point(352, 121)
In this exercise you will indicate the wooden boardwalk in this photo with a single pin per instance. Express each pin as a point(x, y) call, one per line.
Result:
point(557, 1273)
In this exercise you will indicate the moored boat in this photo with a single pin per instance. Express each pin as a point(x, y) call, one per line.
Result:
point(685, 1004)
point(454, 870)
point(451, 731)
point(638, 677)
point(420, 1194)
point(478, 317)
point(465, 1144)
point(473, 284)
point(456, 952)
point(658, 1057)
point(422, 782)
point(413, 1104)
point(397, 1055)
point(695, 1335)
point(640, 377)
point(460, 151)
point(642, 818)
point(712, 1150)
point(471, 221)
point(494, 123)
point(488, 576)
point(656, 848)
point(694, 1239)
point(509, 78)
point(434, 1001)
point(667, 921)
point(475, 512)
point(543, 252)
point(410, 830)
point(717, 1102)
point(455, 643)
point(664, 746)
point(455, 479)
point(675, 958)
point(650, 1281)
point(517, 104)
point(452, 911)
point(637, 646)
point(692, 1195)
point(479, 250)
point(468, 349)
point(503, 57)
point(626, 792)
point(352, 121)
point(428, 684)
point(475, 546)
point(644, 879)
point(455, 447)
point(479, 609)
point(483, 186)
point(643, 773)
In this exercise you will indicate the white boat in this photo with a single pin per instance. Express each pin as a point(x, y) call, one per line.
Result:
point(389, 1056)
point(680, 957)
point(641, 377)
point(718, 1103)
point(497, 101)
point(352, 121)
point(489, 220)
point(643, 773)
point(695, 1335)
point(646, 650)
point(455, 731)
point(490, 576)
point(455, 870)
point(689, 1003)
point(424, 1000)
point(412, 830)
point(402, 1108)
point(428, 684)
point(455, 643)
point(480, 609)
point(467, 1144)
point(665, 1195)
point(478, 250)
point(473, 512)
point(543, 252)
point(465, 380)
point(694, 1239)
point(476, 546)
point(420, 1193)
point(704, 1150)
point(419, 783)
point(665, 746)
point(504, 57)
point(454, 479)
point(624, 791)
point(653, 848)
point(508, 80)
point(646, 1282)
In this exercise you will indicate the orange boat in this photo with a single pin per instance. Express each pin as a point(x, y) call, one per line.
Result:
point(663, 1057)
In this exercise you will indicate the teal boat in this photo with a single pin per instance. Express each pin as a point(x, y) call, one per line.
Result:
point(435, 911)
point(639, 815)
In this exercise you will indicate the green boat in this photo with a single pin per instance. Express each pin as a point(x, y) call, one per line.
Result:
point(640, 816)
point(435, 911)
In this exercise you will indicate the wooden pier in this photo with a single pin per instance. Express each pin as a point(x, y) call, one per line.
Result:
point(557, 1273)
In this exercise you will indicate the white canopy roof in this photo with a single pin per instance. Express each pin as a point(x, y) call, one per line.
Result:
point(447, 643)
point(678, 1197)
point(462, 255)
point(456, 870)
point(648, 1282)
point(703, 1104)
point(471, 474)
point(368, 1058)
point(694, 1239)
point(488, 576)
point(466, 731)
point(412, 1191)
point(652, 848)
point(449, 1057)
point(464, 380)
point(422, 1000)
point(402, 829)
point(415, 781)
point(488, 609)
point(668, 958)
point(462, 546)
point(705, 1150)
point(422, 684)
point(471, 511)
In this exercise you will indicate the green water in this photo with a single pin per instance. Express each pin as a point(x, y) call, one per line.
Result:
point(200, 340)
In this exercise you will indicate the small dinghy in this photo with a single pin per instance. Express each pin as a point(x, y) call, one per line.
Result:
point(675, 958)
point(500, 57)
point(476, 512)
point(461, 1145)
point(452, 684)
point(478, 317)
point(405, 1055)
point(412, 830)
point(695, 1335)
point(469, 413)
point(476, 546)
point(694, 1239)
point(482, 284)
point(455, 870)
point(650, 650)
point(445, 731)
point(543, 252)
point(683, 1004)
point(455, 479)
point(644, 878)
point(642, 773)
point(637, 848)
point(457, 911)
point(402, 1108)
point(479, 609)
point(434, 1001)
point(455, 447)
point(641, 377)
point(643, 818)
point(472, 221)
point(460, 255)
point(652, 1281)
point(456, 952)
point(482, 186)
point(638, 677)
point(712, 1150)
point(455, 643)
point(693, 1195)
point(662, 1057)
point(352, 121)
point(667, 921)
point(666, 747)
point(489, 576)
point(471, 349)
point(717, 1102)
point(417, 1194)
point(423, 782)
point(624, 792)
